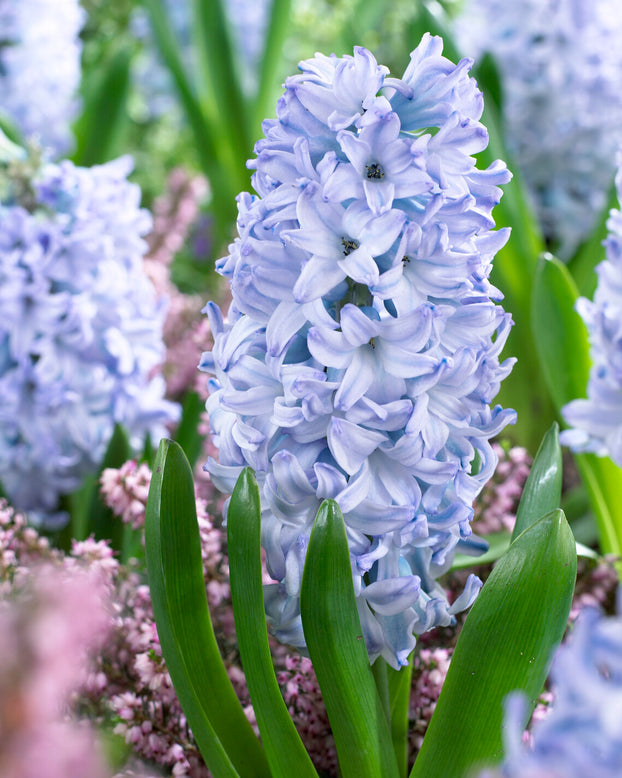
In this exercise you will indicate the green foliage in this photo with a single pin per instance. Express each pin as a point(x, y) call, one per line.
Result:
point(506, 643)
point(281, 741)
point(336, 646)
point(222, 731)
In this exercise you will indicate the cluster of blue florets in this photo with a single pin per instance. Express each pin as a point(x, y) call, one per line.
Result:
point(361, 351)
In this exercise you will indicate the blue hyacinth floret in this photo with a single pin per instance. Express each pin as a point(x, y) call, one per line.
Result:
point(81, 327)
point(582, 733)
point(597, 421)
point(360, 353)
point(40, 52)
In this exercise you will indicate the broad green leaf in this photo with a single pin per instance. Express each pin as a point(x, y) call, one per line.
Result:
point(100, 128)
point(187, 434)
point(175, 569)
point(506, 643)
point(559, 334)
point(542, 492)
point(337, 649)
point(283, 745)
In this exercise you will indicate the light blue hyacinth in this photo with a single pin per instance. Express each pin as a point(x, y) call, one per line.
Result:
point(597, 421)
point(81, 327)
point(40, 54)
point(582, 733)
point(360, 354)
point(560, 63)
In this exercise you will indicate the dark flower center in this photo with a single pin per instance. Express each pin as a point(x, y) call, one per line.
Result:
point(374, 172)
point(349, 246)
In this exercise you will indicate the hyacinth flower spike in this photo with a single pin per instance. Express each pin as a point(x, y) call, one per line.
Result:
point(350, 401)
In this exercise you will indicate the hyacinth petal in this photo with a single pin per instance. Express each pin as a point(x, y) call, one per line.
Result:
point(284, 323)
point(357, 151)
point(393, 595)
point(359, 265)
point(351, 444)
point(379, 195)
point(329, 347)
point(317, 278)
point(358, 327)
point(357, 379)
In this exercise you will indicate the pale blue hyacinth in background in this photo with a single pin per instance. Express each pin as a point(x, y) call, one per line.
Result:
point(560, 63)
point(597, 421)
point(582, 734)
point(40, 54)
point(361, 350)
point(81, 327)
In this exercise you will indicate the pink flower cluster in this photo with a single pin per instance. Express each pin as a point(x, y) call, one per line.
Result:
point(496, 507)
point(53, 619)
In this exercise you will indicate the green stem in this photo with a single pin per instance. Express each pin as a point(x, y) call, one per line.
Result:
point(379, 670)
point(399, 694)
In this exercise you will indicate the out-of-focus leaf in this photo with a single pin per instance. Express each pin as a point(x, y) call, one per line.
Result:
point(89, 513)
point(337, 649)
point(222, 178)
point(187, 434)
point(591, 252)
point(283, 745)
point(542, 492)
point(506, 643)
point(271, 60)
point(175, 568)
point(104, 118)
point(217, 66)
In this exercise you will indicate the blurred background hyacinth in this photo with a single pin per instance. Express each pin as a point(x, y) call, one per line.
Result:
point(559, 67)
point(81, 329)
point(596, 422)
point(326, 522)
point(40, 69)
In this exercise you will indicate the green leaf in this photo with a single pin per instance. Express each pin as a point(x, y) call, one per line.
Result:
point(283, 745)
point(603, 483)
point(222, 178)
point(187, 434)
point(559, 333)
point(104, 118)
point(506, 643)
point(337, 649)
point(175, 569)
point(542, 492)
point(89, 512)
point(271, 61)
point(217, 65)
point(591, 252)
